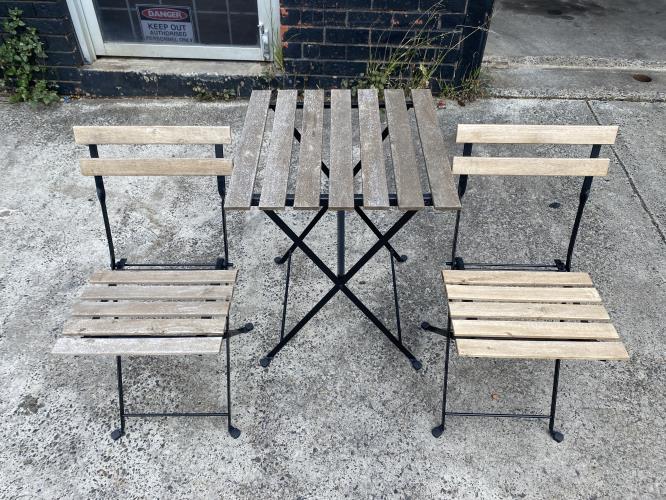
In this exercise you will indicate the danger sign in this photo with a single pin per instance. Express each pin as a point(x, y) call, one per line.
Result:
point(166, 24)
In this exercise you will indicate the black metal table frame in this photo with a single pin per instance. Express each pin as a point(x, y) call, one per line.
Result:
point(458, 263)
point(220, 263)
point(342, 277)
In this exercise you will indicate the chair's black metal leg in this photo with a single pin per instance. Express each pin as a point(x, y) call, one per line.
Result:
point(120, 432)
point(437, 431)
point(301, 237)
point(364, 217)
point(395, 298)
point(286, 298)
point(233, 431)
point(556, 435)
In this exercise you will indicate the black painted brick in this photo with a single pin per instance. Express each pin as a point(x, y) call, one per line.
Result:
point(335, 18)
point(292, 50)
point(333, 52)
point(347, 36)
point(290, 17)
point(369, 18)
point(60, 43)
point(56, 9)
point(63, 58)
point(312, 17)
point(295, 34)
point(26, 8)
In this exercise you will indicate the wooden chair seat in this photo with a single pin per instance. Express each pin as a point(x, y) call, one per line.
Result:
point(150, 313)
point(530, 315)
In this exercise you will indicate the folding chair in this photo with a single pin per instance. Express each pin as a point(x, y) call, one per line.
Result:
point(526, 311)
point(154, 309)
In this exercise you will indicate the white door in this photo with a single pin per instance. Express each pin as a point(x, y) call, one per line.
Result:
point(191, 29)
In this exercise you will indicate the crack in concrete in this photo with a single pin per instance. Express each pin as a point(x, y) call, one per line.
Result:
point(632, 183)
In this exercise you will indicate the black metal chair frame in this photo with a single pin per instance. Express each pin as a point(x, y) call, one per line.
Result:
point(458, 263)
point(342, 277)
point(121, 264)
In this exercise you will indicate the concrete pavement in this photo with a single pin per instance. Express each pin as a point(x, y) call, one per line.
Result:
point(339, 413)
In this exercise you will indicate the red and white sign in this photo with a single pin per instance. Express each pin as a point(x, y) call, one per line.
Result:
point(166, 24)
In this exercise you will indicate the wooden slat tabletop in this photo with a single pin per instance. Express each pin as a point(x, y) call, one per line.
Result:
point(308, 183)
point(375, 189)
point(246, 157)
point(276, 175)
point(407, 179)
point(374, 168)
point(341, 187)
point(445, 196)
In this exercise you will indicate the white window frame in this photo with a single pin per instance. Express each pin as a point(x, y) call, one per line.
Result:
point(90, 39)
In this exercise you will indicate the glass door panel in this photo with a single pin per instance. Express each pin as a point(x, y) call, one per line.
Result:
point(201, 29)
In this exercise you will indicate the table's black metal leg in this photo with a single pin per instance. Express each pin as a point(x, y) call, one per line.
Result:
point(266, 360)
point(286, 298)
point(120, 432)
point(340, 282)
point(301, 237)
point(233, 431)
point(401, 347)
point(341, 242)
point(556, 435)
point(395, 298)
point(364, 217)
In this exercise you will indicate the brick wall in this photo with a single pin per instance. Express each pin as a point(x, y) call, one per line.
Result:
point(55, 29)
point(328, 41)
point(325, 42)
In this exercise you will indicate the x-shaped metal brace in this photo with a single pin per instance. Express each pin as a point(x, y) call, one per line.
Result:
point(340, 281)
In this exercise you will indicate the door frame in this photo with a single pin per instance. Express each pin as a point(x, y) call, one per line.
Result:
point(92, 45)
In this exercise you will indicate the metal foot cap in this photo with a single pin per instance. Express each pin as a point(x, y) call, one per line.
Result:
point(265, 361)
point(233, 432)
point(437, 431)
point(278, 260)
point(248, 327)
point(416, 364)
point(425, 325)
point(402, 258)
point(117, 434)
point(557, 436)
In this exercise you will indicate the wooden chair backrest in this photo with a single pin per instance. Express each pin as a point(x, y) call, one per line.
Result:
point(95, 135)
point(595, 135)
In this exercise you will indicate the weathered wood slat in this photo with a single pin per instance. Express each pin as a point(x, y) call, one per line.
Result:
point(208, 277)
point(373, 170)
point(529, 311)
point(138, 292)
point(152, 135)
point(151, 309)
point(534, 330)
point(178, 327)
point(541, 349)
point(469, 165)
point(276, 174)
point(308, 182)
point(156, 166)
point(516, 278)
point(407, 179)
point(246, 157)
point(536, 134)
point(444, 193)
point(138, 346)
point(341, 175)
point(523, 294)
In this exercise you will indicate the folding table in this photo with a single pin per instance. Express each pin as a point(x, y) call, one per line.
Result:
point(386, 185)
